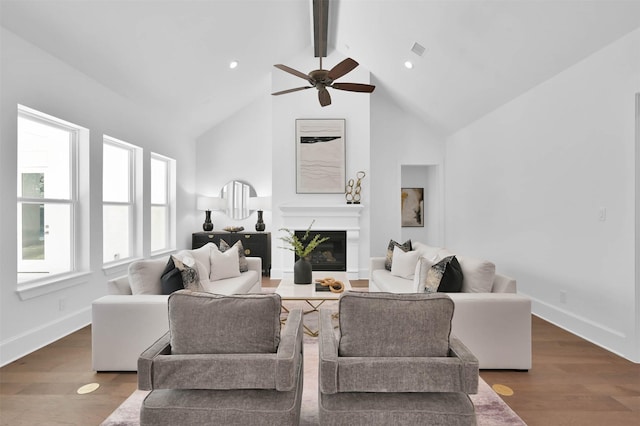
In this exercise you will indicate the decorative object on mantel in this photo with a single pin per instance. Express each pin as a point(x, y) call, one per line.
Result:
point(260, 204)
point(352, 194)
point(320, 156)
point(302, 269)
point(233, 228)
point(412, 207)
point(330, 284)
point(207, 204)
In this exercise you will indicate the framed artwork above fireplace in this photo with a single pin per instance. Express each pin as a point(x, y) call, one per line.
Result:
point(320, 156)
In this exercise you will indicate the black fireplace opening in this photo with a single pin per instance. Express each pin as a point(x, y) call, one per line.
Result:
point(330, 255)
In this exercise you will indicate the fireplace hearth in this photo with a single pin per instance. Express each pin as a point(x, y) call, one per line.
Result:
point(330, 255)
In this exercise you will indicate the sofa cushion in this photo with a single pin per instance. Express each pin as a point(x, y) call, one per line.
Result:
point(421, 273)
point(447, 275)
point(387, 324)
point(390, 283)
point(204, 323)
point(429, 252)
point(144, 276)
point(406, 246)
point(478, 275)
point(171, 279)
point(224, 265)
point(242, 260)
point(404, 263)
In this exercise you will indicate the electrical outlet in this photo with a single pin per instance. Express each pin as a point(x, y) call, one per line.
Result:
point(62, 304)
point(563, 296)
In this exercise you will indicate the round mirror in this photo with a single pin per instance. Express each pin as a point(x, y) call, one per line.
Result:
point(235, 197)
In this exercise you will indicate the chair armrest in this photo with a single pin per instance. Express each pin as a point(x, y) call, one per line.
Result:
point(119, 285)
point(328, 351)
point(145, 361)
point(469, 369)
point(255, 264)
point(289, 355)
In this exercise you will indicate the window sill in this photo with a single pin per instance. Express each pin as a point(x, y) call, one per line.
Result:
point(41, 287)
point(118, 268)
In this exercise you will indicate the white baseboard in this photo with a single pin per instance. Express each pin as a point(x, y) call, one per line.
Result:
point(18, 346)
point(614, 341)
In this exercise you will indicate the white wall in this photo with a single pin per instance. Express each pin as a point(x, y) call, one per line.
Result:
point(399, 138)
point(427, 177)
point(239, 148)
point(32, 77)
point(525, 186)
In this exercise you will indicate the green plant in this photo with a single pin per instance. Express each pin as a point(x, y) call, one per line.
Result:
point(297, 245)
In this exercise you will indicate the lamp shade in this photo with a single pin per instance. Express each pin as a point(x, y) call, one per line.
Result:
point(260, 203)
point(209, 203)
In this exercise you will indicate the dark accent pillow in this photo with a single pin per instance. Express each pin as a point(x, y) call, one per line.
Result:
point(242, 259)
point(171, 278)
point(447, 275)
point(406, 246)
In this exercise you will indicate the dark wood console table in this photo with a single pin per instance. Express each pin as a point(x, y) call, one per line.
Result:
point(256, 244)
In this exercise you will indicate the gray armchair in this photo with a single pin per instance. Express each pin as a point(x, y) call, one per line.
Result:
point(225, 361)
point(394, 362)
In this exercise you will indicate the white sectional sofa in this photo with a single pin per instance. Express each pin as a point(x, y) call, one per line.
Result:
point(127, 321)
point(495, 324)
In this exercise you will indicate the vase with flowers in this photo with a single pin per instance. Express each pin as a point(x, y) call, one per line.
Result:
point(302, 269)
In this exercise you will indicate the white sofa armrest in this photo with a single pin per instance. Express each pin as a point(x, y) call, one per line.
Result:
point(119, 286)
point(504, 284)
point(255, 264)
point(123, 327)
point(375, 263)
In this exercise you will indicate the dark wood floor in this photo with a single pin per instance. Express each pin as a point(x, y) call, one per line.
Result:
point(572, 382)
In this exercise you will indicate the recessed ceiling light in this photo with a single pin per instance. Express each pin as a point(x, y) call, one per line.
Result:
point(408, 64)
point(233, 64)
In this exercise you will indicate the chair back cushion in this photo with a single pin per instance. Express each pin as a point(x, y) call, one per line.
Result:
point(395, 325)
point(206, 323)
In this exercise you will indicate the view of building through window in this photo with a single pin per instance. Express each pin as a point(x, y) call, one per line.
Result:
point(46, 169)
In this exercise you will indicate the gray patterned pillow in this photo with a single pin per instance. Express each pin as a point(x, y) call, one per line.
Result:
point(406, 246)
point(242, 259)
point(190, 277)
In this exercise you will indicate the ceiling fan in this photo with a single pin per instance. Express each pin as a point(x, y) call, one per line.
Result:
point(322, 79)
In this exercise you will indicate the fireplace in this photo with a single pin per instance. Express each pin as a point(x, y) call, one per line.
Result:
point(325, 218)
point(330, 255)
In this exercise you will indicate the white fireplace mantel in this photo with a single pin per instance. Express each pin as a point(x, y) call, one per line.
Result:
point(338, 217)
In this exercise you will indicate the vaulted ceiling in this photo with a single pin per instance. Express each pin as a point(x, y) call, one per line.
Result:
point(173, 56)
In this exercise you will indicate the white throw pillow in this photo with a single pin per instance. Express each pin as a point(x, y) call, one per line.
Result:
point(144, 276)
point(224, 265)
point(201, 256)
point(426, 251)
point(404, 263)
point(420, 282)
point(477, 275)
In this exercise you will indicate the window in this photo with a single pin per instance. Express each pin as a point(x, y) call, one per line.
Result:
point(119, 194)
point(47, 195)
point(162, 203)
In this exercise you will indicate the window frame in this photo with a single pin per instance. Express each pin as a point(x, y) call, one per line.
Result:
point(74, 201)
point(134, 199)
point(170, 204)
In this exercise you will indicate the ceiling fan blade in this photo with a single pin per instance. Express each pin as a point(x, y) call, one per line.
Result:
point(354, 87)
point(292, 71)
point(291, 90)
point(342, 68)
point(324, 97)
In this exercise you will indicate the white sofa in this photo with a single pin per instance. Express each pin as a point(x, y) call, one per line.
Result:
point(124, 324)
point(495, 325)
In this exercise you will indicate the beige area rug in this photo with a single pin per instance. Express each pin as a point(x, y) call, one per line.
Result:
point(491, 410)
